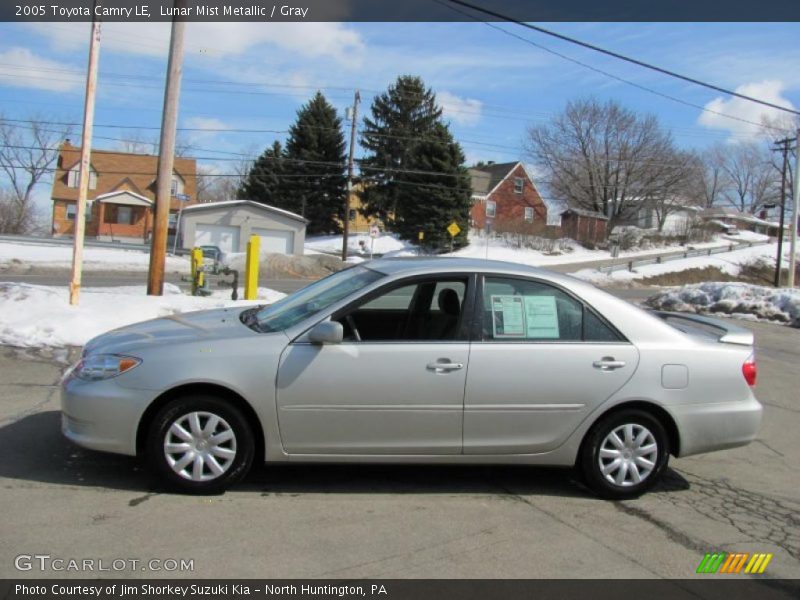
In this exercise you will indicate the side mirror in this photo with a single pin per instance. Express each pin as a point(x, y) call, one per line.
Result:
point(327, 332)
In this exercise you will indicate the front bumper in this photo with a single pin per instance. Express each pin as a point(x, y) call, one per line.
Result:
point(101, 415)
point(710, 427)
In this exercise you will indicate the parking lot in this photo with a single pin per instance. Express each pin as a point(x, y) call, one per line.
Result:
point(397, 521)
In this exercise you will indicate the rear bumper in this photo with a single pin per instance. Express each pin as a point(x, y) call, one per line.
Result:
point(709, 427)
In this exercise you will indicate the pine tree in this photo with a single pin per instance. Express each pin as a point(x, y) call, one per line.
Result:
point(265, 183)
point(315, 163)
point(429, 202)
point(404, 113)
point(404, 134)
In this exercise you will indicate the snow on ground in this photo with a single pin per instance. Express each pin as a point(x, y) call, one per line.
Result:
point(387, 244)
point(94, 259)
point(40, 316)
point(746, 236)
point(728, 262)
point(494, 248)
point(733, 299)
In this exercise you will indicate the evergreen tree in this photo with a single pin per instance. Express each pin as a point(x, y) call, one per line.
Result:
point(414, 172)
point(315, 162)
point(434, 193)
point(404, 113)
point(265, 183)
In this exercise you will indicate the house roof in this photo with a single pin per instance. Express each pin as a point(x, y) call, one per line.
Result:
point(125, 197)
point(117, 171)
point(486, 177)
point(242, 203)
point(585, 213)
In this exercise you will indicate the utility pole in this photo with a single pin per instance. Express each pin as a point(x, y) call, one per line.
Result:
point(85, 169)
point(796, 209)
point(166, 156)
point(353, 126)
point(784, 143)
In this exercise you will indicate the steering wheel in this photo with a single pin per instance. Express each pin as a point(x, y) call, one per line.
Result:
point(351, 322)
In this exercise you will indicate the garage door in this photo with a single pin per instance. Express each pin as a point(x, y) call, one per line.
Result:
point(224, 236)
point(275, 240)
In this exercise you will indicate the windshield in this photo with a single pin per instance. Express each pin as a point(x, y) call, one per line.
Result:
point(316, 297)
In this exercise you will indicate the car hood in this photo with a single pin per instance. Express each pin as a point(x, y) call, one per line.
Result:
point(204, 325)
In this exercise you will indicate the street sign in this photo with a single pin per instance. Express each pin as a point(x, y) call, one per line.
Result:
point(453, 229)
point(374, 232)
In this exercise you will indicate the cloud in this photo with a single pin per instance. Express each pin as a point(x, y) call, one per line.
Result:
point(19, 67)
point(463, 111)
point(769, 91)
point(213, 40)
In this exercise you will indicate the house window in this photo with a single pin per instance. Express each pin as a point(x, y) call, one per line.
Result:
point(529, 214)
point(491, 208)
point(72, 211)
point(176, 186)
point(519, 184)
point(351, 215)
point(73, 178)
point(120, 215)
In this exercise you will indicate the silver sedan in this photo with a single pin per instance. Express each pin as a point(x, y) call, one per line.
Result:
point(419, 360)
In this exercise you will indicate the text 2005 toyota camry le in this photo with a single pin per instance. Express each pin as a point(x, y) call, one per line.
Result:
point(419, 360)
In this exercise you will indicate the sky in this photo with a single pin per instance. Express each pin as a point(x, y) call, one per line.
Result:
point(492, 86)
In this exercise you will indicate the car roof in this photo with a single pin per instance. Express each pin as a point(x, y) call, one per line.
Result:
point(422, 265)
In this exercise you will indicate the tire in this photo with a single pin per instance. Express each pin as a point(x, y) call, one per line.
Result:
point(625, 458)
point(200, 444)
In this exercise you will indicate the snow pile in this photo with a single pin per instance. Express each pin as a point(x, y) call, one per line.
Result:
point(735, 299)
point(746, 235)
point(40, 316)
point(387, 244)
point(19, 255)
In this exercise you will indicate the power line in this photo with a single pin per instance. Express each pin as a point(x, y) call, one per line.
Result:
point(619, 56)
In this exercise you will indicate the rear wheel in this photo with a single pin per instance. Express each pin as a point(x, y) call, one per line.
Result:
point(624, 454)
point(200, 444)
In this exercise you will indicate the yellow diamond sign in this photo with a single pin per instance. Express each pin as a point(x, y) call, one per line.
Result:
point(453, 229)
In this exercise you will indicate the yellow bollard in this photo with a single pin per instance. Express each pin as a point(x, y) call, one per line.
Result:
point(197, 262)
point(251, 268)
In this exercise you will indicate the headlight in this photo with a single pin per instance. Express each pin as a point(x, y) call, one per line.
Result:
point(104, 366)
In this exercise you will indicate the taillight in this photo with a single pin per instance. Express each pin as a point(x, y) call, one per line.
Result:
point(749, 370)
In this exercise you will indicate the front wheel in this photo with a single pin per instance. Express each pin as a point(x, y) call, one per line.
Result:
point(200, 444)
point(624, 454)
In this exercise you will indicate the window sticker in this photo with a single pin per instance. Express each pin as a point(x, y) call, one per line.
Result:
point(541, 316)
point(508, 317)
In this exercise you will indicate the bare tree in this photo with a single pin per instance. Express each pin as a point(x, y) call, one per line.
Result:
point(751, 176)
point(605, 158)
point(136, 142)
point(673, 192)
point(218, 183)
point(708, 182)
point(28, 152)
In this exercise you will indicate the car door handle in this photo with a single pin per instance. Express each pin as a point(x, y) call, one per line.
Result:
point(607, 363)
point(441, 367)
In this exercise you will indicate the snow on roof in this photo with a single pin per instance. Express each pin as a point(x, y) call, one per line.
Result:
point(251, 203)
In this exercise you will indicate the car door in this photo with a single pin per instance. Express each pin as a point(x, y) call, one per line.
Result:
point(395, 385)
point(540, 362)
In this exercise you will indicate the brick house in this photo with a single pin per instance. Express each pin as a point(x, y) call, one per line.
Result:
point(122, 192)
point(504, 194)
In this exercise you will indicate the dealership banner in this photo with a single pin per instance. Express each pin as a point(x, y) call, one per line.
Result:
point(400, 589)
point(405, 10)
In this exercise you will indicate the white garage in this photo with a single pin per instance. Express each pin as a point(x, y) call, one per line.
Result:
point(223, 236)
point(275, 240)
point(230, 224)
